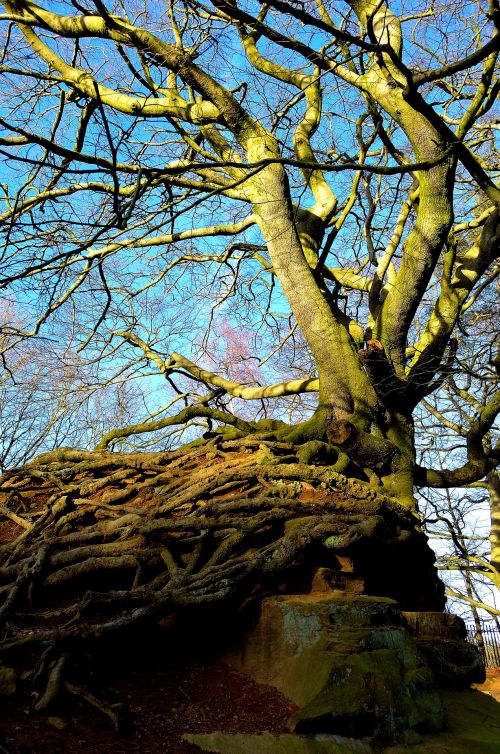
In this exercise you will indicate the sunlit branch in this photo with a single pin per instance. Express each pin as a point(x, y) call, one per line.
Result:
point(479, 463)
point(84, 82)
point(183, 417)
point(471, 601)
point(459, 277)
point(140, 243)
point(291, 387)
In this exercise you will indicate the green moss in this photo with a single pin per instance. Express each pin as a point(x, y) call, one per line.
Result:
point(312, 429)
point(342, 463)
point(229, 433)
point(474, 719)
point(400, 485)
point(267, 460)
point(8, 682)
point(332, 542)
point(267, 743)
point(316, 450)
point(353, 684)
point(370, 686)
point(270, 425)
point(473, 727)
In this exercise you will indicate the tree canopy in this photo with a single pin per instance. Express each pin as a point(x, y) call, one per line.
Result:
point(314, 181)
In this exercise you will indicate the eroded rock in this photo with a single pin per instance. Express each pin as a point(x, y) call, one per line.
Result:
point(348, 662)
point(440, 637)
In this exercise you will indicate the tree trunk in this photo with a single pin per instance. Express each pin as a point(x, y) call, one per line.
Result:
point(493, 480)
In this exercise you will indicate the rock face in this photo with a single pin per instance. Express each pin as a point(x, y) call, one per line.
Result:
point(348, 662)
point(401, 567)
point(440, 638)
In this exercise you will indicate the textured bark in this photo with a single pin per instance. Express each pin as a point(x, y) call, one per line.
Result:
point(493, 480)
point(343, 384)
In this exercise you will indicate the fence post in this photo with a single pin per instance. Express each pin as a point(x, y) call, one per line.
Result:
point(488, 644)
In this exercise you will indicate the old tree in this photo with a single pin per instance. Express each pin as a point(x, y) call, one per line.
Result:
point(262, 186)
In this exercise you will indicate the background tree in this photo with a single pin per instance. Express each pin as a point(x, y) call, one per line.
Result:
point(458, 527)
point(50, 397)
point(461, 522)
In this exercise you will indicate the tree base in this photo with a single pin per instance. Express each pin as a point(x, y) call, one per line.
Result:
point(102, 543)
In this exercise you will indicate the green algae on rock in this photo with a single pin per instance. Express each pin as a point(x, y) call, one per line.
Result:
point(8, 681)
point(348, 662)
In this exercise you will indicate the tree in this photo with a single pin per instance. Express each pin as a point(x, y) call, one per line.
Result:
point(460, 539)
point(422, 163)
point(348, 152)
point(459, 521)
point(50, 397)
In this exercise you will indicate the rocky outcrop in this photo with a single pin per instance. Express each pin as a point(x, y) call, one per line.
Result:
point(348, 662)
point(472, 728)
point(440, 638)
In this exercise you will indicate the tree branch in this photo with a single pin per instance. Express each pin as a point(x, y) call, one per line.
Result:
point(478, 464)
point(292, 387)
point(460, 65)
point(195, 411)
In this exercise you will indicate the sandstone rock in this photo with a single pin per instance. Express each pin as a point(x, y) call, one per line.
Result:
point(435, 624)
point(343, 579)
point(440, 638)
point(455, 663)
point(473, 728)
point(348, 662)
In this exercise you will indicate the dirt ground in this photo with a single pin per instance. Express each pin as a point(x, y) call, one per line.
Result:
point(162, 701)
point(492, 684)
point(161, 704)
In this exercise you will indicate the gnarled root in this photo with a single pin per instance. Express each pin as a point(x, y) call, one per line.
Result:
point(110, 541)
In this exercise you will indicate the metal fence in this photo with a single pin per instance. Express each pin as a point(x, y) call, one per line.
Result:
point(488, 643)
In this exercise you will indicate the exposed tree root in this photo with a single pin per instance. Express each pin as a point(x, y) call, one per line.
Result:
point(113, 713)
point(54, 683)
point(107, 541)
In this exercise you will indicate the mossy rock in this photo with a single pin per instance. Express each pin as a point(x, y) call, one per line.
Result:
point(8, 681)
point(473, 727)
point(473, 722)
point(349, 664)
point(381, 693)
point(267, 743)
